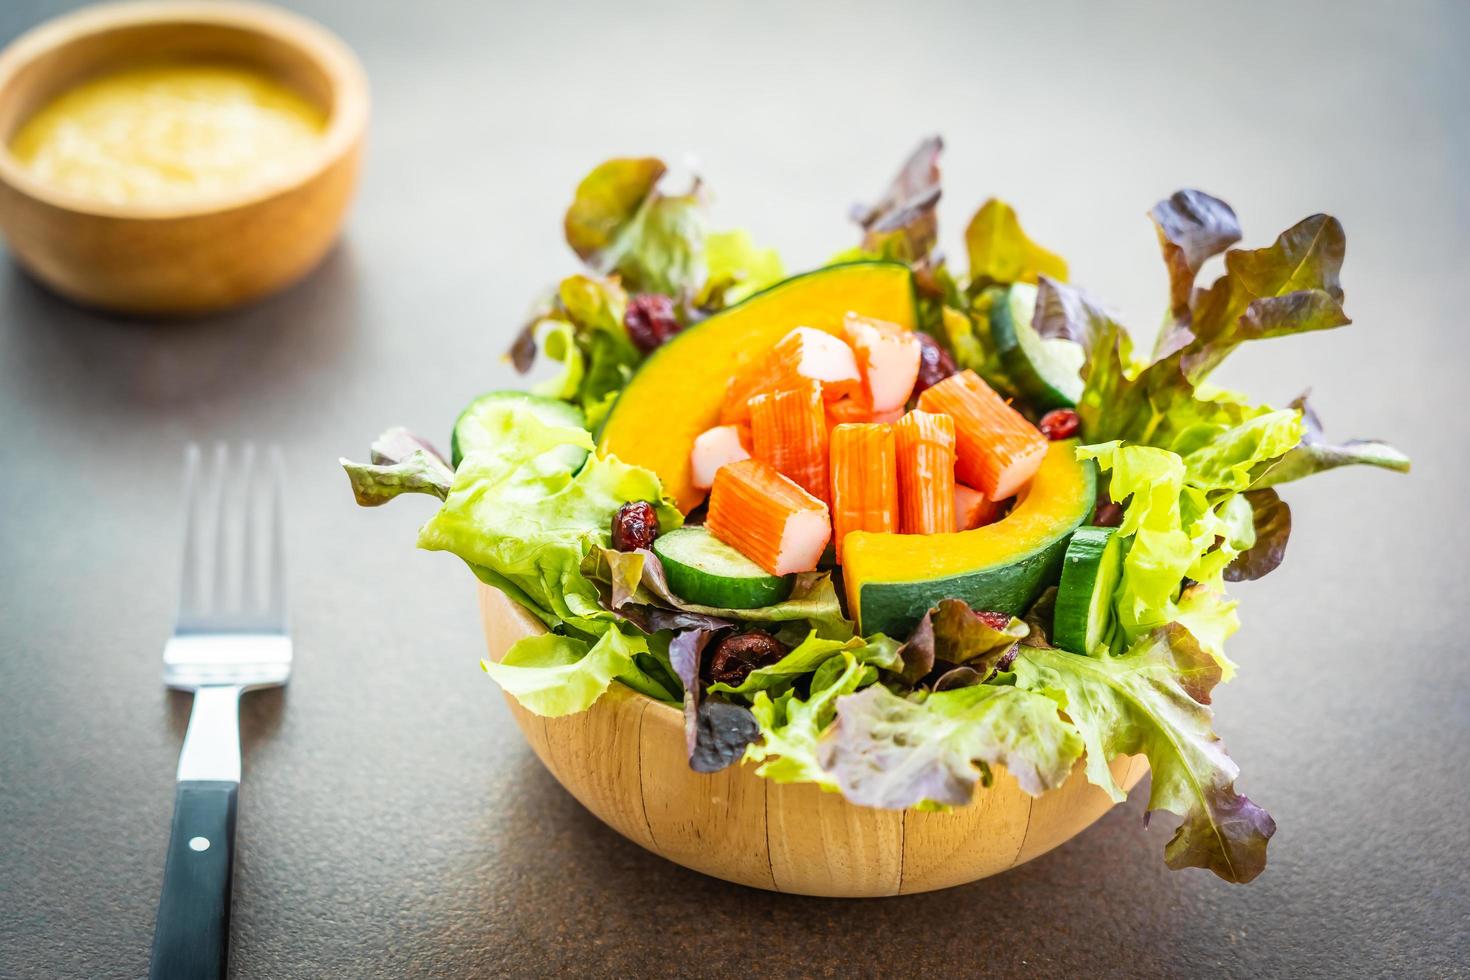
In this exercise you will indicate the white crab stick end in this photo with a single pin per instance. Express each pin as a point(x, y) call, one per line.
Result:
point(888, 358)
point(715, 448)
point(803, 540)
point(824, 358)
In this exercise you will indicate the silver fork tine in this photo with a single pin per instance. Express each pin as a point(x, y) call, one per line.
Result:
point(189, 592)
point(249, 594)
point(220, 602)
point(275, 606)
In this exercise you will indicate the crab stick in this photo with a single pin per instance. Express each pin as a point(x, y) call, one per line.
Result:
point(972, 509)
point(788, 429)
point(998, 450)
point(716, 447)
point(767, 518)
point(864, 480)
point(846, 411)
point(803, 355)
point(926, 457)
point(887, 358)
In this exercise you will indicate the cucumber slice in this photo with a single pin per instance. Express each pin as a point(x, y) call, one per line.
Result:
point(1045, 371)
point(1090, 573)
point(706, 571)
point(474, 429)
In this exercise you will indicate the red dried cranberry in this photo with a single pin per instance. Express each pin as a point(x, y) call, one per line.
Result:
point(1060, 423)
point(1107, 514)
point(995, 620)
point(634, 526)
point(736, 656)
point(935, 364)
point(650, 320)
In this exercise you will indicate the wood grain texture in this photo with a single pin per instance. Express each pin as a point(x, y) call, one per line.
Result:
point(194, 259)
point(624, 759)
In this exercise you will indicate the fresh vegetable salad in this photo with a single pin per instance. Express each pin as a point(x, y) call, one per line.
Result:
point(883, 526)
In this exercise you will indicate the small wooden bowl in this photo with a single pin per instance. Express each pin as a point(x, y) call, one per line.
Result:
point(624, 759)
point(180, 260)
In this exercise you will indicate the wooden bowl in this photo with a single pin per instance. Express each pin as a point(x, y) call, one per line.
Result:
point(624, 759)
point(180, 260)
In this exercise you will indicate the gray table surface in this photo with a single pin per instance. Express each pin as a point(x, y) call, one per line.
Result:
point(392, 821)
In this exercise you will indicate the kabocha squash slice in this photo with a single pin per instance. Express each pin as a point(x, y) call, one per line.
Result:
point(892, 579)
point(678, 392)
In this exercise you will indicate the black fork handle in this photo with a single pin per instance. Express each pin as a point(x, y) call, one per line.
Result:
point(192, 937)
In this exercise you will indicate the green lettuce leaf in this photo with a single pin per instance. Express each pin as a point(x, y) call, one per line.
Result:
point(895, 752)
point(533, 526)
point(809, 656)
point(401, 462)
point(1314, 453)
point(737, 268)
point(1001, 252)
point(791, 728)
point(554, 675)
point(1153, 700)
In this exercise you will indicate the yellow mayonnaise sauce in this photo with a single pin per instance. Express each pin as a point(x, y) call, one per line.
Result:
point(170, 134)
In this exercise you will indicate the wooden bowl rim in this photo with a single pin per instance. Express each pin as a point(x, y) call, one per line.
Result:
point(345, 77)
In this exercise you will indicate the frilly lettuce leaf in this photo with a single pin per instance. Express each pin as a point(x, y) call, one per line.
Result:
point(1315, 454)
point(533, 526)
point(807, 657)
point(1153, 700)
point(1270, 530)
point(1001, 252)
point(895, 752)
point(401, 463)
point(1192, 227)
point(1184, 520)
point(737, 267)
point(791, 728)
point(952, 633)
point(903, 225)
point(555, 675)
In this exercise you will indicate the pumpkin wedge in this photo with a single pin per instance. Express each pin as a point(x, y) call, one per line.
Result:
point(892, 579)
point(678, 391)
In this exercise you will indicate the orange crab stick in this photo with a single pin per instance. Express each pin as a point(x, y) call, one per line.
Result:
point(788, 429)
point(864, 480)
point(804, 354)
point(848, 411)
point(888, 360)
point(767, 518)
point(926, 456)
point(998, 450)
point(971, 509)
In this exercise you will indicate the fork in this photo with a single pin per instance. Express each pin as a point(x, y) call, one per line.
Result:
point(228, 638)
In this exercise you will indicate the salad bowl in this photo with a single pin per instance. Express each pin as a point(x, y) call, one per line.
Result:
point(624, 760)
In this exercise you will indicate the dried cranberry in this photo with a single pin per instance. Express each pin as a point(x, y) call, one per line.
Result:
point(634, 526)
point(1107, 514)
point(1060, 423)
point(650, 320)
point(736, 656)
point(935, 364)
point(995, 620)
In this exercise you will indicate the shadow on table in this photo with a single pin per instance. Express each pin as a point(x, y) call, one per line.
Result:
point(77, 360)
point(558, 889)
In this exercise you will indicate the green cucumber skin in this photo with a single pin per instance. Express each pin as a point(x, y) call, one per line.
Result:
point(895, 608)
point(572, 416)
point(700, 589)
point(708, 588)
point(1083, 568)
point(1038, 392)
